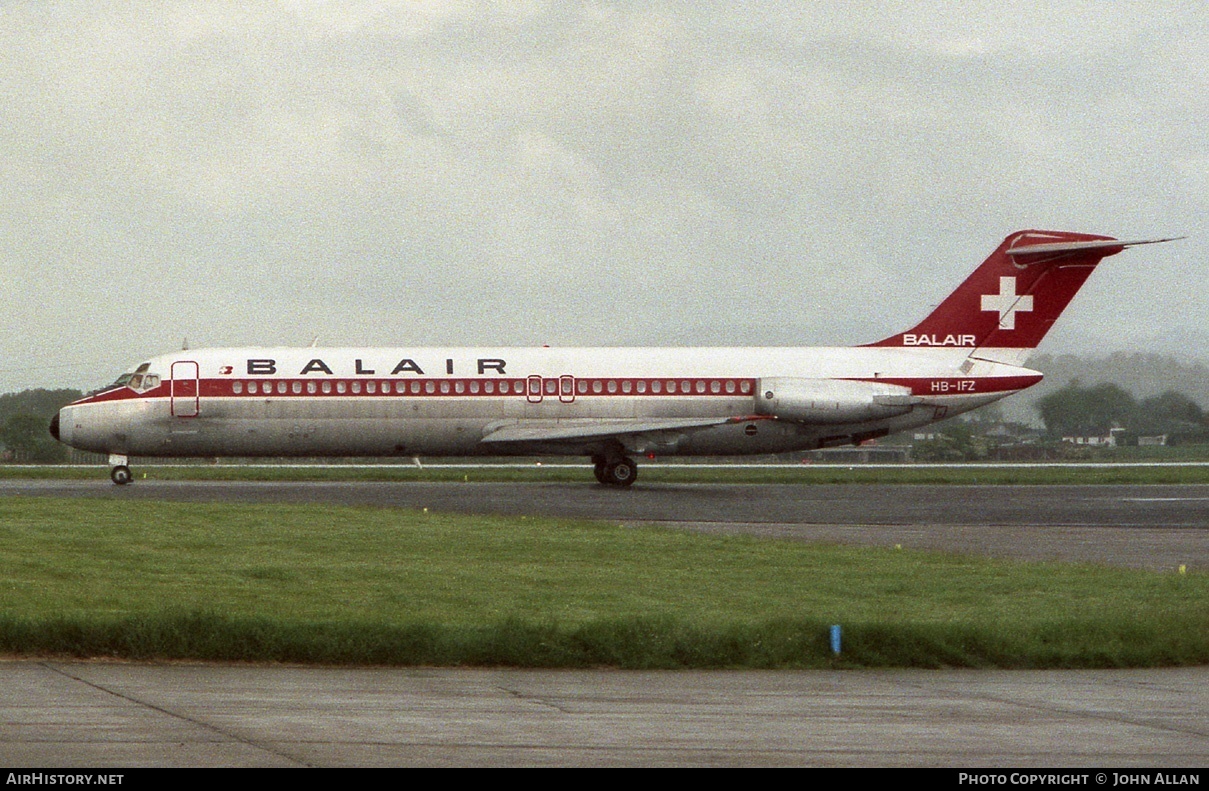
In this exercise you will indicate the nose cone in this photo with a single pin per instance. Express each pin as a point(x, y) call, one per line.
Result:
point(54, 426)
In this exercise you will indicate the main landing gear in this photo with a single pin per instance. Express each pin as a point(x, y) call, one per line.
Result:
point(119, 472)
point(617, 471)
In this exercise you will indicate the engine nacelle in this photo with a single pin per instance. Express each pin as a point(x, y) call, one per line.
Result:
point(832, 400)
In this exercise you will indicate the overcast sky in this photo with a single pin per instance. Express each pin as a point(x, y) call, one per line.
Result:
point(581, 173)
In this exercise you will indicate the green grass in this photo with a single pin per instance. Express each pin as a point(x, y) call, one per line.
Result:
point(361, 585)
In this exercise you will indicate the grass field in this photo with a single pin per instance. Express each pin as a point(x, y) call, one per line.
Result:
point(358, 585)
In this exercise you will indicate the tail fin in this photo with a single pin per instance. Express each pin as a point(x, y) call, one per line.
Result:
point(1003, 310)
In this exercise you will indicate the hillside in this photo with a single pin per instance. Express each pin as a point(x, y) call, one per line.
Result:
point(1141, 374)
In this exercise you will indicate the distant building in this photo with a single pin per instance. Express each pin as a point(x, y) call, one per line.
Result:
point(865, 454)
point(1105, 441)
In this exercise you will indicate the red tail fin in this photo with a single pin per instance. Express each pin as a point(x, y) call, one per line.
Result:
point(1013, 298)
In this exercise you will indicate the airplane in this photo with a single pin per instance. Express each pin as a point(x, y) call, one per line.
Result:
point(609, 404)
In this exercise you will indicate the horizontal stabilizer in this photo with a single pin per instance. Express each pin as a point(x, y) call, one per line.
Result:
point(1071, 247)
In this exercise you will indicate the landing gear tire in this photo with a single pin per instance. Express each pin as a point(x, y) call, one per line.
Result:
point(121, 475)
point(598, 469)
point(622, 472)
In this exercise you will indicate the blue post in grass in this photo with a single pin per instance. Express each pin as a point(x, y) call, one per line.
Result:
point(835, 639)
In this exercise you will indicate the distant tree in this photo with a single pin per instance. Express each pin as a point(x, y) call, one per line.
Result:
point(1173, 414)
point(956, 443)
point(1167, 414)
point(40, 402)
point(1093, 411)
point(28, 439)
point(984, 417)
point(1086, 411)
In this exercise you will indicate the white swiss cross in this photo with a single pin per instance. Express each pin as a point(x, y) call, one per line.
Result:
point(1007, 303)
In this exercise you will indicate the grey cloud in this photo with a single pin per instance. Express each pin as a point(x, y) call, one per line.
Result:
point(577, 173)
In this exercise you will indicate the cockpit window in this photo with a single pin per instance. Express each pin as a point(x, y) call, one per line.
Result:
point(138, 379)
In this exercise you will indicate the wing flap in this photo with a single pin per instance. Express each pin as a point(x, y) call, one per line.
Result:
point(563, 430)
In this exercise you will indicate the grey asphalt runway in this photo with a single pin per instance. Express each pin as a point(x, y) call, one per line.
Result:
point(98, 714)
point(1154, 527)
point(1173, 506)
point(80, 714)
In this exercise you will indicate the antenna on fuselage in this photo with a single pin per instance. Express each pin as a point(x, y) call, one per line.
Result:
point(314, 341)
point(185, 344)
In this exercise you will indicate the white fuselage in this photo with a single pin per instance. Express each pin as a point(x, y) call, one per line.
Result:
point(457, 401)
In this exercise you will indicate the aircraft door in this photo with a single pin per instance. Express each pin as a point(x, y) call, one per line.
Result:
point(539, 387)
point(566, 389)
point(184, 389)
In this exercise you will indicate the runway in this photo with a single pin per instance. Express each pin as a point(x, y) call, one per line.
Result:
point(1153, 527)
point(98, 714)
point(81, 714)
point(1174, 506)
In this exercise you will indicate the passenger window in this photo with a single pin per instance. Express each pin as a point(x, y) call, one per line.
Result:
point(356, 387)
point(281, 387)
point(327, 387)
point(237, 387)
point(296, 387)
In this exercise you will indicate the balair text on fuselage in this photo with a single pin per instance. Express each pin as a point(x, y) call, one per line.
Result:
point(268, 366)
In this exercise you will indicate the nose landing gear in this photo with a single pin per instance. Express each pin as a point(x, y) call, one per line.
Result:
point(119, 472)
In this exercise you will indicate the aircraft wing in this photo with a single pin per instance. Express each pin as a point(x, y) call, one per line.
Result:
point(570, 430)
